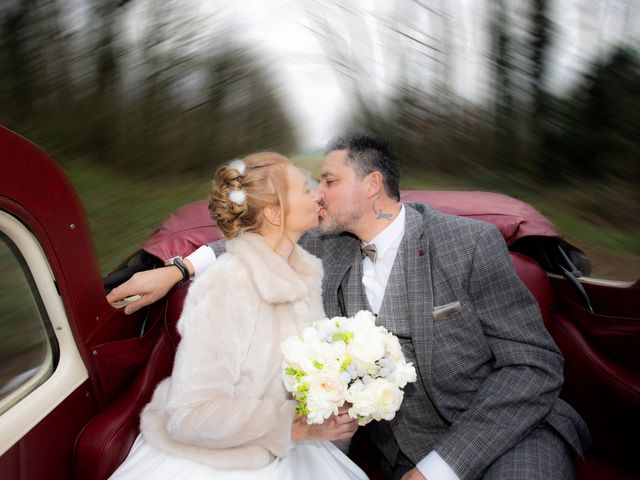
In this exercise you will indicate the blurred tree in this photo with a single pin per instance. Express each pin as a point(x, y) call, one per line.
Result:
point(152, 106)
point(105, 119)
point(540, 42)
point(17, 64)
point(502, 94)
point(602, 123)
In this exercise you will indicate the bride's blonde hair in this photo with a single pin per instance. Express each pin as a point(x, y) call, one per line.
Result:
point(263, 181)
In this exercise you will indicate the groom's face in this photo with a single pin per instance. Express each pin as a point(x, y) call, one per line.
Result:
point(342, 197)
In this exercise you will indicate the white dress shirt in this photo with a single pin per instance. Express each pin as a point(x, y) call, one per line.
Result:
point(374, 279)
point(376, 275)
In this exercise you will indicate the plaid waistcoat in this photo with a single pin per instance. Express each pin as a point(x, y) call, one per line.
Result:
point(417, 425)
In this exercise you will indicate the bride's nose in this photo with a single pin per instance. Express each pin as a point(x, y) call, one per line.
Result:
point(318, 197)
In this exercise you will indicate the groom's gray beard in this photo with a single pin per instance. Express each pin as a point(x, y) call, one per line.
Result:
point(332, 224)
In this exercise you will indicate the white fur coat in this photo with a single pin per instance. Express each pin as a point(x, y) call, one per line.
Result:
point(225, 404)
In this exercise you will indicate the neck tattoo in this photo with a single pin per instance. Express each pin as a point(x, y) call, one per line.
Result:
point(380, 215)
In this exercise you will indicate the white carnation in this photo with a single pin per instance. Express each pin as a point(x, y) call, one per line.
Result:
point(402, 374)
point(363, 403)
point(392, 348)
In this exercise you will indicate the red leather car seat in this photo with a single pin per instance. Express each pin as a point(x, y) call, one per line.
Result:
point(613, 390)
point(106, 440)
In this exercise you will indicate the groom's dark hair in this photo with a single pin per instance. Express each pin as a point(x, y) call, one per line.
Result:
point(367, 153)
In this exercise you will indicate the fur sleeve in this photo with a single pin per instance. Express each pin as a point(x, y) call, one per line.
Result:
point(217, 325)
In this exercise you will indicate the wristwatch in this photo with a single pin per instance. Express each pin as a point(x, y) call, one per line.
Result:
point(179, 263)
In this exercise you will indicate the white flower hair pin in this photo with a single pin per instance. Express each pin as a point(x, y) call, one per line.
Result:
point(238, 165)
point(238, 196)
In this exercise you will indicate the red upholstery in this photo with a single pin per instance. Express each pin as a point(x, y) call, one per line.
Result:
point(604, 392)
point(106, 440)
point(594, 469)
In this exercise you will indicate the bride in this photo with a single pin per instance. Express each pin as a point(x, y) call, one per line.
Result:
point(224, 412)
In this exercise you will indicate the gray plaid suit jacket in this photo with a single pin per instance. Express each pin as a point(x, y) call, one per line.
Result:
point(490, 368)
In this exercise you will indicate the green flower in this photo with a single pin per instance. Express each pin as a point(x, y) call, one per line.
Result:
point(301, 396)
point(344, 336)
point(295, 372)
point(345, 364)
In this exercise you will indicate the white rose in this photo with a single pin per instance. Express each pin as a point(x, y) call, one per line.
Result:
point(366, 347)
point(388, 399)
point(384, 396)
point(296, 354)
point(362, 321)
point(327, 392)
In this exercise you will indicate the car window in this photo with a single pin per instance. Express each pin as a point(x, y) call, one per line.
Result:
point(28, 346)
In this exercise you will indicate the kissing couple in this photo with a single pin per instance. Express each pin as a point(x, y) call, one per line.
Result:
point(485, 403)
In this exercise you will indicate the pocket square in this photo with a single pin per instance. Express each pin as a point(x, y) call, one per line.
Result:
point(445, 310)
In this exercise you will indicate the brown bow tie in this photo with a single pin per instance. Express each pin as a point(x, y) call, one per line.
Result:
point(369, 251)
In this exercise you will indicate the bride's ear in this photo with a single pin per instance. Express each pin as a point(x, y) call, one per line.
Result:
point(272, 215)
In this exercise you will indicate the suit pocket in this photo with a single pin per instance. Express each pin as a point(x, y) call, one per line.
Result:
point(446, 310)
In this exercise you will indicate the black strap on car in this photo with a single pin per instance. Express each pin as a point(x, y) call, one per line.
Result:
point(573, 275)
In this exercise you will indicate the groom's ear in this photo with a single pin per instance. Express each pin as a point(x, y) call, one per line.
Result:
point(374, 184)
point(272, 215)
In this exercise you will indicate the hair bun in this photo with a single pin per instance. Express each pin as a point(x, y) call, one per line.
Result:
point(224, 204)
point(241, 189)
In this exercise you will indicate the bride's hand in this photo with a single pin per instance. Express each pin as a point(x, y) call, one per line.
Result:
point(336, 427)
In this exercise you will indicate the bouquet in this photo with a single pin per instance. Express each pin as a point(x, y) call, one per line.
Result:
point(342, 360)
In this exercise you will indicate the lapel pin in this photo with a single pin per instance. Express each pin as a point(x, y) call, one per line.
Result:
point(421, 253)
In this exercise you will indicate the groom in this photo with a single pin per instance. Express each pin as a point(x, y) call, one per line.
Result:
point(486, 401)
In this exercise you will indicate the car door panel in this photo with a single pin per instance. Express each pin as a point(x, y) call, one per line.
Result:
point(602, 374)
point(45, 451)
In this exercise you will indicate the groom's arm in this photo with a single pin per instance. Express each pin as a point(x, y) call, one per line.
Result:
point(527, 369)
point(152, 285)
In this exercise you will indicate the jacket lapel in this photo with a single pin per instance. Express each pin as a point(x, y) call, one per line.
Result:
point(340, 252)
point(419, 291)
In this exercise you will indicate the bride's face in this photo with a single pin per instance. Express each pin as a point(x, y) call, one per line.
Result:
point(303, 203)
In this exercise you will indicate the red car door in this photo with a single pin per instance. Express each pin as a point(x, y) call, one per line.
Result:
point(64, 352)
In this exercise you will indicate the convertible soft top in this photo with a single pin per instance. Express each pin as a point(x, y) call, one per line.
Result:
point(191, 226)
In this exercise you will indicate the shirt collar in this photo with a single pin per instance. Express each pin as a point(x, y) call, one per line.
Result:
point(391, 235)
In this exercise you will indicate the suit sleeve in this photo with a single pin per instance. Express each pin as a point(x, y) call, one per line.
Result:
point(313, 242)
point(527, 371)
point(217, 325)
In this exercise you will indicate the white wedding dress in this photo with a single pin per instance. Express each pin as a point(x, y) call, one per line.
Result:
point(308, 460)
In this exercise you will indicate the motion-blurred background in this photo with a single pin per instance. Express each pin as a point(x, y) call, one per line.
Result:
point(139, 100)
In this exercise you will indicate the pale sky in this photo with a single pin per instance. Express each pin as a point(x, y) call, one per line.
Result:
point(315, 93)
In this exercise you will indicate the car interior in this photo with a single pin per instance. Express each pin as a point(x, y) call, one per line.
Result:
point(86, 429)
point(595, 332)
